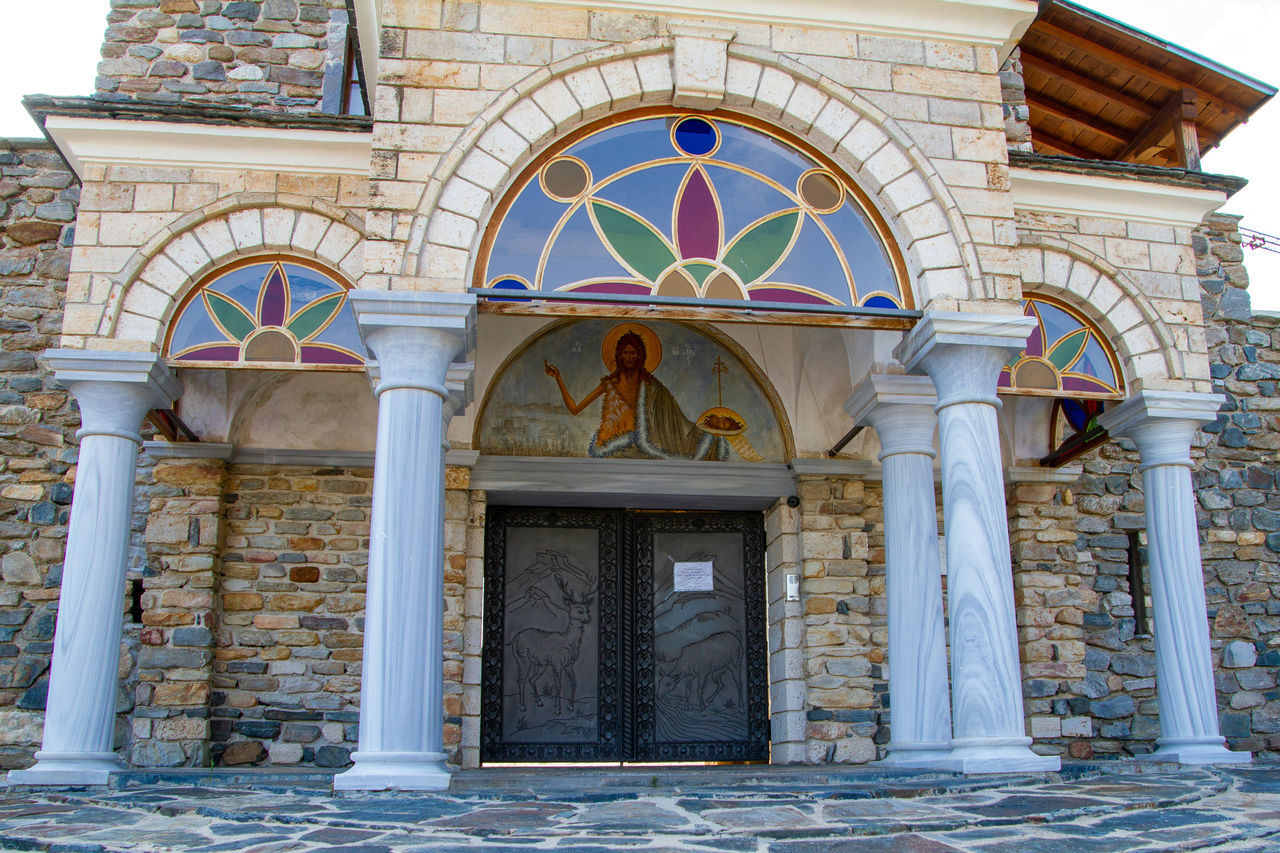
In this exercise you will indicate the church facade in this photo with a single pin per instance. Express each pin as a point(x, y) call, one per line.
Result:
point(400, 387)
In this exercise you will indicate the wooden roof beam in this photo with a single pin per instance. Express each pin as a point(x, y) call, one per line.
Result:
point(1179, 110)
point(1066, 113)
point(1132, 65)
point(1048, 140)
point(1047, 65)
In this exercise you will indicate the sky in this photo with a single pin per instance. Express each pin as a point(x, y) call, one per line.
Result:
point(1241, 34)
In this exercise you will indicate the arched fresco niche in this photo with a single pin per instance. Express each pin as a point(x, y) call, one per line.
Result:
point(630, 390)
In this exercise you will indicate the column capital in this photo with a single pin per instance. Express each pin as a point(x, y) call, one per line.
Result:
point(900, 409)
point(114, 389)
point(1162, 423)
point(1161, 406)
point(963, 352)
point(415, 336)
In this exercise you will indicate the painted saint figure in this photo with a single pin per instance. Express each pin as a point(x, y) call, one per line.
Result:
point(638, 416)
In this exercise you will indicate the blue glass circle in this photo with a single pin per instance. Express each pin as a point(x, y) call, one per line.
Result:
point(695, 136)
point(880, 302)
point(510, 284)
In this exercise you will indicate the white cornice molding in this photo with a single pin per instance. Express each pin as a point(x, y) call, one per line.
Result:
point(1096, 196)
point(114, 142)
point(994, 23)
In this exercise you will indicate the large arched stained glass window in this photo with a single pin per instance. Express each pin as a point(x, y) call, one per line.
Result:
point(267, 312)
point(691, 206)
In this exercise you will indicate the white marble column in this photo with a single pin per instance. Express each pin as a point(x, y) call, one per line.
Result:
point(415, 337)
point(1162, 424)
point(900, 409)
point(963, 353)
point(114, 391)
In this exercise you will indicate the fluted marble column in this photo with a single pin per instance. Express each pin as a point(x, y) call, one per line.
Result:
point(114, 391)
point(415, 337)
point(963, 353)
point(1162, 424)
point(900, 408)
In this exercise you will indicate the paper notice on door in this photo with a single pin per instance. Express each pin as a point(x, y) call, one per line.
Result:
point(695, 577)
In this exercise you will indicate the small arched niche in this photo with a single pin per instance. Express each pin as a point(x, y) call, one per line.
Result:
point(631, 390)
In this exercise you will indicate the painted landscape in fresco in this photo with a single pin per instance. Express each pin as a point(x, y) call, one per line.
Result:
point(604, 389)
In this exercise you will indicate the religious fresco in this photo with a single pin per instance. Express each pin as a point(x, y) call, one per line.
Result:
point(604, 389)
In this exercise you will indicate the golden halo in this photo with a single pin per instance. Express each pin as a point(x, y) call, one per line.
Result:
point(652, 346)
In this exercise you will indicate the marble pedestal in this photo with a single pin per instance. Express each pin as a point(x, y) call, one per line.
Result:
point(114, 392)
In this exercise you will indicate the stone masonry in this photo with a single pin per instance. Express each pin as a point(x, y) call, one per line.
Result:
point(266, 54)
point(38, 198)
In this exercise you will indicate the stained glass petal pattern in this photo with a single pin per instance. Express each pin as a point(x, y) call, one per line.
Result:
point(1066, 356)
point(636, 243)
point(275, 313)
point(685, 203)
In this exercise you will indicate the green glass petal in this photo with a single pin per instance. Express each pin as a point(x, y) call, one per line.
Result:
point(228, 314)
point(758, 249)
point(1068, 349)
point(311, 318)
point(699, 271)
point(635, 241)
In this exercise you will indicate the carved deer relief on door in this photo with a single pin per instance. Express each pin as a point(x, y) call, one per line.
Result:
point(623, 636)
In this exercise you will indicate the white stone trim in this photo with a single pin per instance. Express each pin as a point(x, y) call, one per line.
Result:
point(113, 142)
point(722, 485)
point(1097, 196)
point(189, 450)
point(993, 23)
point(1036, 474)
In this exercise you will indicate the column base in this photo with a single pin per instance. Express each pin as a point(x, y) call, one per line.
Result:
point(1178, 750)
point(997, 755)
point(68, 768)
point(918, 756)
point(394, 771)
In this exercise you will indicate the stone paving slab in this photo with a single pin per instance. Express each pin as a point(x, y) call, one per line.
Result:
point(1086, 808)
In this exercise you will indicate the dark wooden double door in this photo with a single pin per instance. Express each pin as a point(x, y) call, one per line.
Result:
point(617, 635)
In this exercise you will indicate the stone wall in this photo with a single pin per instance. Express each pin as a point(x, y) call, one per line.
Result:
point(38, 198)
point(845, 628)
point(1105, 705)
point(1013, 96)
point(266, 54)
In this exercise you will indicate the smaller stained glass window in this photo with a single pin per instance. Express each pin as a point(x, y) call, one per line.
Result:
point(277, 313)
point(1065, 356)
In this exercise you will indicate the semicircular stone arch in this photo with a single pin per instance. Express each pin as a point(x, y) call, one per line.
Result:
point(154, 282)
point(1144, 344)
point(490, 154)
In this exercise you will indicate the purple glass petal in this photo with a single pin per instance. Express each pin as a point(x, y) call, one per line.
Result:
point(628, 288)
point(698, 219)
point(1035, 340)
point(1085, 384)
point(312, 354)
point(273, 300)
point(782, 294)
point(212, 353)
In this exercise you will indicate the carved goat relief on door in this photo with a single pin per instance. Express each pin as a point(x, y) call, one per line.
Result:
point(624, 636)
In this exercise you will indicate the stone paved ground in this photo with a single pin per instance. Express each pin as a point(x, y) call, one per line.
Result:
point(1121, 807)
